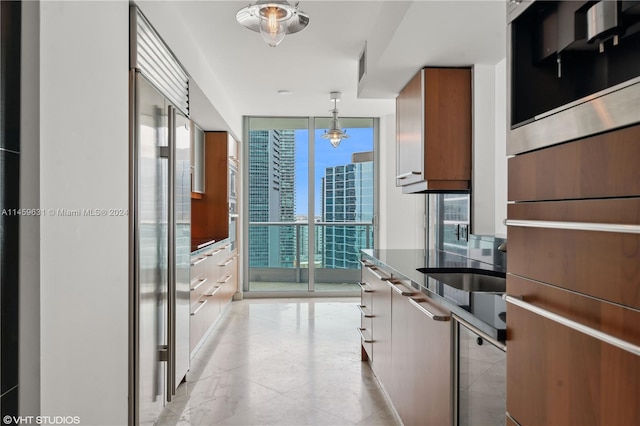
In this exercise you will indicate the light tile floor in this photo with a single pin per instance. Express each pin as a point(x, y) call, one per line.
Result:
point(282, 362)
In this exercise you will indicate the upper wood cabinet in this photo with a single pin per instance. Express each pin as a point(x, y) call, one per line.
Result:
point(433, 131)
point(210, 213)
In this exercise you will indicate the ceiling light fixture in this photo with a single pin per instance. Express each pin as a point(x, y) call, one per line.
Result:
point(273, 19)
point(335, 134)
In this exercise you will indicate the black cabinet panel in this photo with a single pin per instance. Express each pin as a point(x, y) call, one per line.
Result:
point(10, 71)
point(9, 403)
point(9, 199)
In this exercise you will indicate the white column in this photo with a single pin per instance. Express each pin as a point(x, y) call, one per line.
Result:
point(84, 165)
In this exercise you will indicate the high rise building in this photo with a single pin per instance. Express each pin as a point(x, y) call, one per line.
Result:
point(347, 196)
point(271, 197)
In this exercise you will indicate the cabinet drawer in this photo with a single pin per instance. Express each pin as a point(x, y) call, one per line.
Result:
point(595, 260)
point(366, 295)
point(604, 165)
point(198, 286)
point(198, 265)
point(558, 375)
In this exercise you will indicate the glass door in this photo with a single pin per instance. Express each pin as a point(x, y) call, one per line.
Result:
point(278, 159)
point(344, 203)
point(310, 206)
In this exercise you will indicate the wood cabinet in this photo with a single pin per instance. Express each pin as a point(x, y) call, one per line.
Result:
point(433, 131)
point(409, 351)
point(213, 284)
point(380, 347)
point(573, 280)
point(420, 384)
point(210, 213)
point(560, 376)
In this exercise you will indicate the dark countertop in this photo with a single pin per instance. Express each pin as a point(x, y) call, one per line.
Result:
point(482, 310)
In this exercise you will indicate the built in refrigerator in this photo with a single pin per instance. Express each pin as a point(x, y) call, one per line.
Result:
point(160, 216)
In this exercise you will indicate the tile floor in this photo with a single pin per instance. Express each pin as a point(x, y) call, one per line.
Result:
point(281, 362)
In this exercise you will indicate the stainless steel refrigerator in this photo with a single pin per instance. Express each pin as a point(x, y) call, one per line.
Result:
point(161, 228)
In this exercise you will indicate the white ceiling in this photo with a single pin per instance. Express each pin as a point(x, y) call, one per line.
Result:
point(401, 36)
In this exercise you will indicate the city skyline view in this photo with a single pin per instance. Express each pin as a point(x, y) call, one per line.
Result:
point(278, 192)
point(360, 140)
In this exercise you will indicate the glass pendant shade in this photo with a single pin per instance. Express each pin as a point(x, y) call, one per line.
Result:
point(335, 134)
point(273, 19)
point(274, 23)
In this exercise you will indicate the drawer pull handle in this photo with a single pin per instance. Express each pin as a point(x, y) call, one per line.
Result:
point(418, 304)
point(200, 282)
point(368, 265)
point(364, 311)
point(373, 270)
point(213, 252)
point(596, 334)
point(202, 303)
point(406, 175)
point(226, 262)
point(365, 287)
point(365, 339)
point(199, 260)
point(576, 226)
point(395, 283)
point(213, 292)
point(224, 279)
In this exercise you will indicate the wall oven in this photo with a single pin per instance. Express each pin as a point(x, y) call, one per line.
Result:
point(573, 70)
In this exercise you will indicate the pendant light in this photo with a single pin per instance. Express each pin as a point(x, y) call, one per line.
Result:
point(335, 134)
point(273, 19)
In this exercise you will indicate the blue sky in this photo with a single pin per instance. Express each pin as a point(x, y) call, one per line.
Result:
point(360, 140)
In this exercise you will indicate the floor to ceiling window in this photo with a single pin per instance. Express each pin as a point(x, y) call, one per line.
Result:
point(310, 205)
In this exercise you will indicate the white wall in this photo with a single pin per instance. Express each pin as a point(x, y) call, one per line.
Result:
point(489, 192)
point(501, 148)
point(483, 186)
point(84, 165)
point(401, 215)
point(29, 275)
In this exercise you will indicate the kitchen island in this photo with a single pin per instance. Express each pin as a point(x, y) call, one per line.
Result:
point(423, 336)
point(405, 265)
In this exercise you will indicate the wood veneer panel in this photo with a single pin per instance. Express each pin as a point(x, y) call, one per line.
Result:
point(601, 264)
point(433, 130)
point(447, 124)
point(558, 376)
point(426, 365)
point(605, 165)
point(210, 214)
point(409, 110)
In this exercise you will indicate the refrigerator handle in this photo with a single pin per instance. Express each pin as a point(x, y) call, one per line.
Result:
point(171, 251)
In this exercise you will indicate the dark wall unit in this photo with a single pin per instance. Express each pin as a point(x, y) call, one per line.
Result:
point(10, 14)
point(573, 216)
point(554, 51)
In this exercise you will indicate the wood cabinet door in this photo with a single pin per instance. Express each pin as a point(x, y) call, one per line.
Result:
point(409, 141)
point(587, 246)
point(560, 376)
point(433, 131)
point(421, 362)
point(601, 166)
point(447, 126)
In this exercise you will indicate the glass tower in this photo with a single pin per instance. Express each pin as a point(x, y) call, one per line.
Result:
point(271, 197)
point(347, 196)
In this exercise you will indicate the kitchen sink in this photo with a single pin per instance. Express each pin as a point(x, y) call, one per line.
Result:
point(469, 281)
